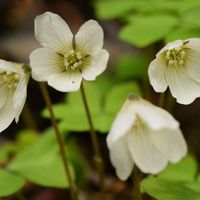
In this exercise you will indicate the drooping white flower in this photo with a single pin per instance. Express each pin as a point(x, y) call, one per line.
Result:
point(13, 91)
point(66, 59)
point(177, 66)
point(146, 136)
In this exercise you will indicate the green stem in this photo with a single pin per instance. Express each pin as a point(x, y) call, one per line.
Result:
point(72, 185)
point(97, 153)
point(137, 177)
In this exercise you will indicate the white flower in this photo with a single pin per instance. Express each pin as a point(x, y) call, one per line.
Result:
point(13, 91)
point(146, 136)
point(177, 65)
point(66, 59)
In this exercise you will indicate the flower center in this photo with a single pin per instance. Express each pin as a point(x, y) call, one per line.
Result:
point(73, 60)
point(138, 121)
point(176, 56)
point(9, 79)
point(139, 126)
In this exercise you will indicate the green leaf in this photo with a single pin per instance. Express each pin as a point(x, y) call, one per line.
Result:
point(129, 66)
point(41, 163)
point(190, 17)
point(58, 109)
point(176, 172)
point(93, 97)
point(117, 96)
point(143, 31)
point(122, 9)
point(74, 103)
point(195, 185)
point(104, 84)
point(174, 7)
point(72, 114)
point(25, 138)
point(74, 121)
point(10, 183)
point(119, 8)
point(3, 155)
point(183, 32)
point(79, 122)
point(104, 121)
point(168, 190)
point(9, 149)
point(78, 161)
point(186, 5)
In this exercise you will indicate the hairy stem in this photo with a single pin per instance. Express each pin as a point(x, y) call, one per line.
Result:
point(96, 147)
point(72, 185)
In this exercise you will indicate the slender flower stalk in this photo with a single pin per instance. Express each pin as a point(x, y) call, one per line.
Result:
point(97, 153)
point(161, 100)
point(64, 60)
point(72, 185)
point(137, 177)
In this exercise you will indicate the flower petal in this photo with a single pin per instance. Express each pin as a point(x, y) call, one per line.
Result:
point(65, 81)
point(98, 65)
point(3, 94)
point(121, 159)
point(7, 114)
point(170, 143)
point(171, 45)
point(89, 37)
point(122, 124)
point(144, 153)
point(182, 87)
point(19, 98)
point(45, 62)
point(156, 118)
point(9, 66)
point(156, 72)
point(192, 62)
point(52, 32)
